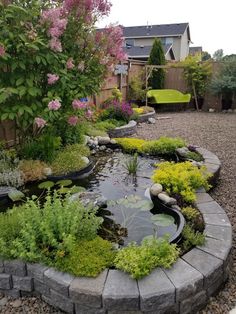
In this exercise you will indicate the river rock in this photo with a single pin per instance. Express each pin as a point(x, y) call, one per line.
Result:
point(183, 151)
point(164, 198)
point(151, 120)
point(156, 189)
point(112, 141)
point(102, 148)
point(47, 171)
point(172, 201)
point(103, 140)
point(85, 159)
point(94, 198)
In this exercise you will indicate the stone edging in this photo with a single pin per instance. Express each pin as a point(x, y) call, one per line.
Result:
point(144, 117)
point(185, 288)
point(124, 130)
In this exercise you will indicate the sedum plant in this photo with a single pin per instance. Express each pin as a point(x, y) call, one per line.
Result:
point(139, 261)
point(182, 179)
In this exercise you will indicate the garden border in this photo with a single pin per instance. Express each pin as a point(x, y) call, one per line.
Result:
point(185, 288)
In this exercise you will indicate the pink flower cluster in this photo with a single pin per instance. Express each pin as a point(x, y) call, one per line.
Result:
point(77, 104)
point(52, 78)
point(40, 122)
point(70, 64)
point(73, 120)
point(54, 105)
point(57, 25)
point(2, 51)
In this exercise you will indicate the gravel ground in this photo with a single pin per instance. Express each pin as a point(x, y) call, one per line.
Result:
point(213, 131)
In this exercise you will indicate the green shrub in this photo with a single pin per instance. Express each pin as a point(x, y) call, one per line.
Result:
point(190, 213)
point(43, 148)
point(46, 230)
point(71, 134)
point(130, 145)
point(70, 159)
point(139, 261)
point(181, 178)
point(192, 237)
point(194, 156)
point(106, 125)
point(163, 146)
point(88, 258)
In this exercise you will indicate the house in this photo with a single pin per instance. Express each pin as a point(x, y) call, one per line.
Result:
point(174, 37)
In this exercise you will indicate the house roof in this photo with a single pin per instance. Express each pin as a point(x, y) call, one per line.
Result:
point(161, 30)
point(144, 51)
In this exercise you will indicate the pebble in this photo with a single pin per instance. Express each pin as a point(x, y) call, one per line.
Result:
point(151, 120)
point(156, 189)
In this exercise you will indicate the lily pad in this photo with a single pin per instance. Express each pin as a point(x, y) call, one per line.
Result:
point(162, 220)
point(46, 185)
point(77, 189)
point(64, 182)
point(63, 190)
point(16, 195)
point(144, 205)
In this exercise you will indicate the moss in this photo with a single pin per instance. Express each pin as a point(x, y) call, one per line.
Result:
point(163, 146)
point(195, 156)
point(70, 159)
point(88, 258)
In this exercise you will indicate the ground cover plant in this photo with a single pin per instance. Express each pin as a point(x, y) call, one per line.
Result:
point(161, 146)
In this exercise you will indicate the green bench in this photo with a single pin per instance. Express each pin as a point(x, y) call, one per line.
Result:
point(167, 96)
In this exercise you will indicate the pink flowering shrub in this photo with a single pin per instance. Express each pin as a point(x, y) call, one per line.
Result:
point(54, 105)
point(41, 60)
point(52, 78)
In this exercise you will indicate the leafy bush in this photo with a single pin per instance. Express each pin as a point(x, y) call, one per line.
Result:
point(130, 145)
point(139, 261)
point(71, 134)
point(163, 146)
point(12, 178)
point(44, 148)
point(190, 213)
point(116, 96)
point(88, 258)
point(32, 170)
point(47, 230)
point(70, 159)
point(181, 178)
point(192, 237)
point(106, 125)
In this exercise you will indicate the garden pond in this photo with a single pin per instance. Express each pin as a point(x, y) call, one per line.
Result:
point(130, 214)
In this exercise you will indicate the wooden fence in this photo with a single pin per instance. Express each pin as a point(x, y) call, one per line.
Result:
point(173, 80)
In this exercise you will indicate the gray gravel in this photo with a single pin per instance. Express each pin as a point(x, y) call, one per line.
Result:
point(213, 131)
point(217, 133)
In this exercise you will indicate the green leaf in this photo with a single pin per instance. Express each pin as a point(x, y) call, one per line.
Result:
point(16, 195)
point(30, 82)
point(77, 189)
point(64, 182)
point(46, 185)
point(163, 220)
point(19, 81)
point(4, 116)
point(64, 190)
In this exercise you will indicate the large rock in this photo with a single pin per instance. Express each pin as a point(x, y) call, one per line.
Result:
point(88, 198)
point(156, 189)
point(85, 159)
point(183, 151)
point(103, 140)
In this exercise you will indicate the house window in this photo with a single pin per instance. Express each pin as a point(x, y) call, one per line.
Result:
point(129, 43)
point(169, 40)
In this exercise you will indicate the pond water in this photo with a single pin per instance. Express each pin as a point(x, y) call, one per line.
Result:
point(128, 197)
point(111, 179)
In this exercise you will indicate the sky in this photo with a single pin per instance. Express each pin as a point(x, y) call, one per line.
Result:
point(212, 23)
